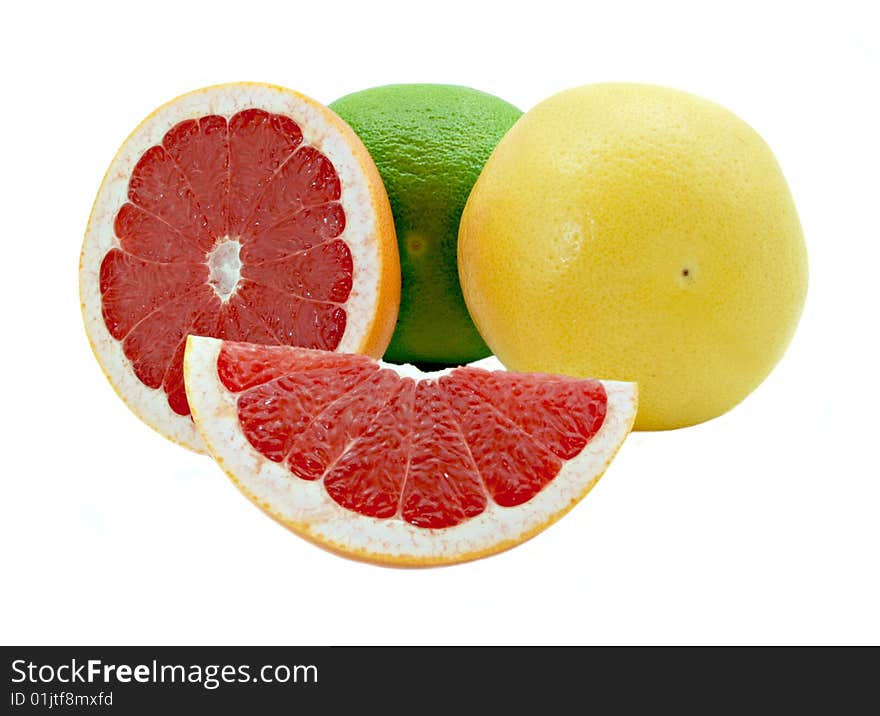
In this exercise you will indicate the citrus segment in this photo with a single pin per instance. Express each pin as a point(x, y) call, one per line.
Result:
point(200, 149)
point(370, 474)
point(390, 464)
point(158, 187)
point(271, 413)
point(328, 435)
point(514, 466)
point(246, 212)
point(570, 413)
point(260, 144)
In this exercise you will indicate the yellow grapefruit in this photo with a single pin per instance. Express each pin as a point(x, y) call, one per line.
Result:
point(641, 234)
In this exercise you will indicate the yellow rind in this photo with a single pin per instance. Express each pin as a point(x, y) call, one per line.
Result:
point(637, 233)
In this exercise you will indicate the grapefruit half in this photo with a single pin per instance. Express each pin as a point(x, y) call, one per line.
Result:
point(384, 463)
point(243, 211)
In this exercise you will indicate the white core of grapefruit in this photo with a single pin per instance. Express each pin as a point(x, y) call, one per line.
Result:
point(320, 129)
point(305, 507)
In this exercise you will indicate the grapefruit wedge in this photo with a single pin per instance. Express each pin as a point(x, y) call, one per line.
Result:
point(387, 464)
point(243, 211)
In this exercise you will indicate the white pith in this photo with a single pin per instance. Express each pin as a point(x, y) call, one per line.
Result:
point(224, 266)
point(360, 232)
point(307, 508)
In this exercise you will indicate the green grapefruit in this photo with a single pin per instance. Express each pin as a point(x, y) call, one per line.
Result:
point(430, 143)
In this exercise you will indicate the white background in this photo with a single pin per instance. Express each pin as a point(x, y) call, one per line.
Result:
point(762, 526)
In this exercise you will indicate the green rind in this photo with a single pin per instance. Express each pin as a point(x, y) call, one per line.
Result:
point(430, 143)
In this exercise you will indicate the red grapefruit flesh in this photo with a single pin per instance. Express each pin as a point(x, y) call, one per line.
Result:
point(246, 212)
point(387, 464)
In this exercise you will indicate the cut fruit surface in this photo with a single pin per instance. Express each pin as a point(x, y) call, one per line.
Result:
point(384, 463)
point(247, 212)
